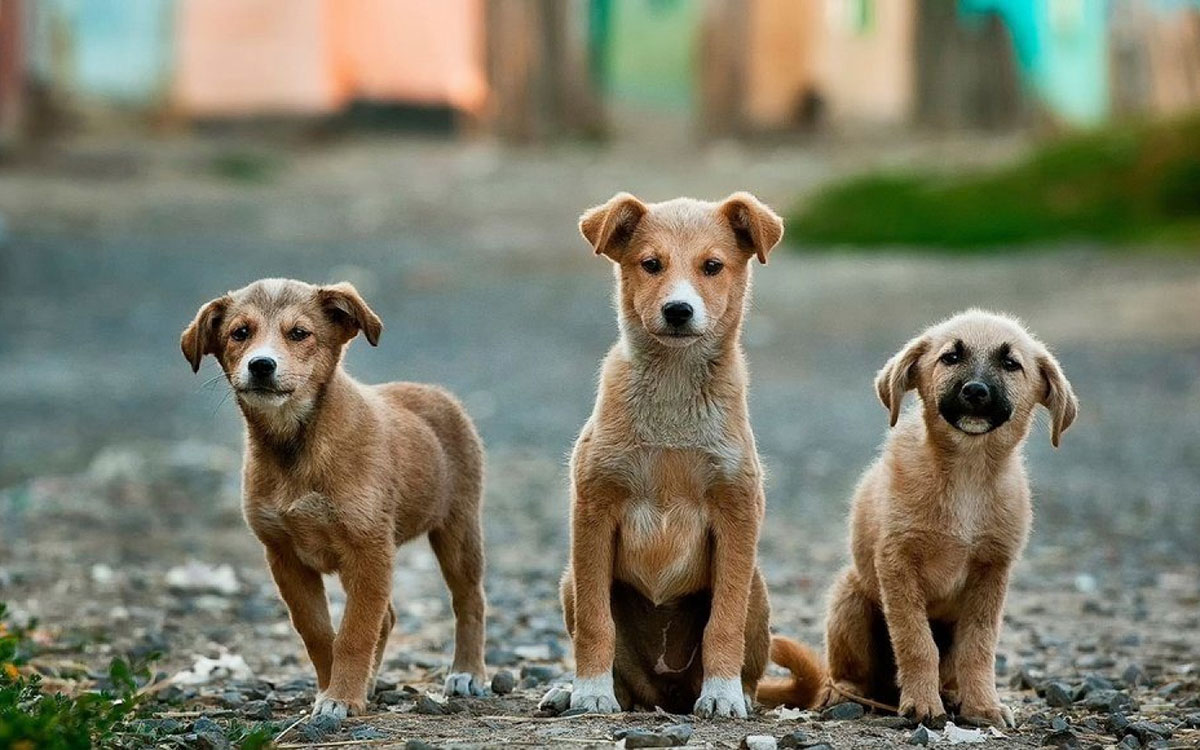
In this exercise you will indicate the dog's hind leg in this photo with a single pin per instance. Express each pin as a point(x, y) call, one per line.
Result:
point(458, 546)
point(849, 637)
point(758, 636)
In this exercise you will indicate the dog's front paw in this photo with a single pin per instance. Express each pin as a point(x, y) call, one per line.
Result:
point(333, 710)
point(463, 683)
point(722, 698)
point(923, 707)
point(991, 713)
point(595, 695)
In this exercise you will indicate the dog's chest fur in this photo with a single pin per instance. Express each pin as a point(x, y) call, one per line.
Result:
point(663, 542)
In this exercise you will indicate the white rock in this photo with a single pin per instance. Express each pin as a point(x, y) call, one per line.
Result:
point(759, 742)
point(224, 667)
point(198, 576)
point(956, 735)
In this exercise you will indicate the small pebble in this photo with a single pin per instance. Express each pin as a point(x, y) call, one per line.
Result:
point(758, 742)
point(1135, 675)
point(920, 736)
point(391, 697)
point(675, 735)
point(796, 739)
point(538, 674)
point(556, 700)
point(1058, 695)
point(365, 733)
point(847, 711)
point(428, 706)
point(259, 710)
point(503, 682)
point(1062, 739)
point(419, 745)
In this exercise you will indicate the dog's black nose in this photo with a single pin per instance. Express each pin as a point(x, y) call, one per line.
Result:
point(976, 393)
point(677, 313)
point(261, 367)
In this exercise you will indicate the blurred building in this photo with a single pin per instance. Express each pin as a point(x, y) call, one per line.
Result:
point(532, 69)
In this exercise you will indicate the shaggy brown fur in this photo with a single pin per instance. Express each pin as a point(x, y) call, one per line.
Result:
point(663, 597)
point(338, 474)
point(939, 520)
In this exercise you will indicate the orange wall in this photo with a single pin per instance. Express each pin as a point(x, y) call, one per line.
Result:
point(242, 57)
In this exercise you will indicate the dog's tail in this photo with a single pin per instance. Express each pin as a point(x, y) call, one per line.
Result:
point(802, 689)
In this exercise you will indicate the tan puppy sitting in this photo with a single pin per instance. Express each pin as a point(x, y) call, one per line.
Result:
point(662, 596)
point(940, 518)
point(338, 474)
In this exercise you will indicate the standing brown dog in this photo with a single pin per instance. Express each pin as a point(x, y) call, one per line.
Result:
point(662, 596)
point(938, 521)
point(338, 474)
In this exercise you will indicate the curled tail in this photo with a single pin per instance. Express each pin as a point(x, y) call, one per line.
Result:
point(802, 689)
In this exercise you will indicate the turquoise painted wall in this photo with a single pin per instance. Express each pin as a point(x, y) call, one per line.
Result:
point(1062, 48)
point(113, 50)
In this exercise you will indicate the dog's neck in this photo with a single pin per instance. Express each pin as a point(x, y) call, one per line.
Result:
point(683, 397)
point(286, 432)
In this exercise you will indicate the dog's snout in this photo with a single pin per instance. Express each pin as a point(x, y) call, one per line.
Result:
point(677, 314)
point(976, 393)
point(261, 367)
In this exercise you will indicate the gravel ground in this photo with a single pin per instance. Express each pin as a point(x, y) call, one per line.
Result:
point(119, 467)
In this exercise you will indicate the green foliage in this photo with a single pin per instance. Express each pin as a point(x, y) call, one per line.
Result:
point(31, 718)
point(1116, 186)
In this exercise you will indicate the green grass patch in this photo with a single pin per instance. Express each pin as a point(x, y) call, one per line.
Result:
point(1119, 186)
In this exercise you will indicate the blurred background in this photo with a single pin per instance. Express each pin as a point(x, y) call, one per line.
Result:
point(1040, 157)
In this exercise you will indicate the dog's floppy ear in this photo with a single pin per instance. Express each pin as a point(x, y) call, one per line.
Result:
point(1058, 397)
point(609, 227)
point(200, 337)
point(755, 226)
point(345, 307)
point(899, 376)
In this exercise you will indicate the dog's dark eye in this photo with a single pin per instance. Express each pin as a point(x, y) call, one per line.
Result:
point(240, 334)
point(712, 267)
point(1010, 364)
point(298, 334)
point(950, 358)
point(652, 265)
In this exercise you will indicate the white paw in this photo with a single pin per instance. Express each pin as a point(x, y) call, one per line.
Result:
point(595, 695)
point(463, 683)
point(722, 697)
point(330, 708)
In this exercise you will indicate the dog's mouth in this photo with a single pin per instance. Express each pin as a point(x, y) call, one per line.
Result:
point(974, 424)
point(265, 392)
point(676, 338)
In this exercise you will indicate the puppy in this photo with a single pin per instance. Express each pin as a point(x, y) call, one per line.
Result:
point(662, 596)
point(939, 520)
point(338, 474)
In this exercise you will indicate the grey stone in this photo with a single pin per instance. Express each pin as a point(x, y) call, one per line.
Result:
point(797, 739)
point(1130, 741)
point(538, 674)
point(419, 745)
point(430, 707)
point(364, 733)
point(1058, 695)
point(503, 682)
point(1146, 731)
point(1135, 675)
point(391, 697)
point(556, 700)
point(847, 711)
point(758, 742)
point(920, 736)
point(675, 735)
point(260, 710)
point(1062, 739)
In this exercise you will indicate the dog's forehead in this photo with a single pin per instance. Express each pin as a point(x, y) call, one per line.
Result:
point(273, 296)
point(983, 331)
point(682, 221)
